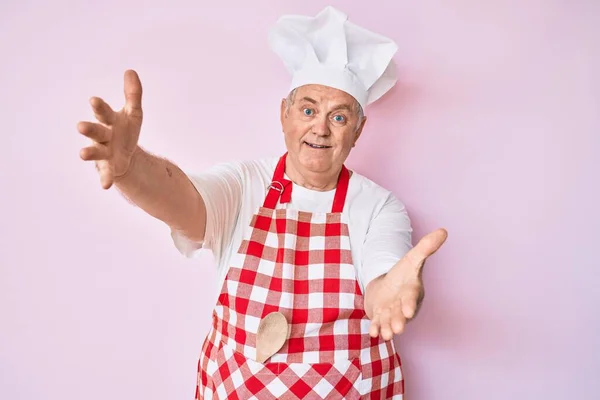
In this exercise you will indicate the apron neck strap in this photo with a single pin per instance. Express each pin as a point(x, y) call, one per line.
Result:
point(280, 188)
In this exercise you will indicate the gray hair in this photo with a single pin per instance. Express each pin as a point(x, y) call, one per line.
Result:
point(357, 108)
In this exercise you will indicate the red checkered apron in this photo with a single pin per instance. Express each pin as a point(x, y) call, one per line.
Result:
point(300, 264)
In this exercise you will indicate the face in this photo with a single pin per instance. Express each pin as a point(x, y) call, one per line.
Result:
point(321, 126)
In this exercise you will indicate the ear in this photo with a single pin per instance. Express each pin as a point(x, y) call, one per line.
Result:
point(359, 130)
point(282, 111)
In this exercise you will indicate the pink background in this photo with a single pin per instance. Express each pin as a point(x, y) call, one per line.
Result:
point(493, 133)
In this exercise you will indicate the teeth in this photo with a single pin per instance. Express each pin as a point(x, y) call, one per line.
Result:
point(316, 146)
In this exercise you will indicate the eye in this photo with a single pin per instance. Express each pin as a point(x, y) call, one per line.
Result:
point(308, 111)
point(339, 118)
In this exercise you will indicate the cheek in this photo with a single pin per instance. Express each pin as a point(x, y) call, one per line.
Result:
point(293, 136)
point(297, 131)
point(346, 139)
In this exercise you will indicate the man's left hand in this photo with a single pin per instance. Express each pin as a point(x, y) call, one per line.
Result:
point(394, 298)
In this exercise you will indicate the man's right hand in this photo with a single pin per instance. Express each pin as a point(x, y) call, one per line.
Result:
point(115, 135)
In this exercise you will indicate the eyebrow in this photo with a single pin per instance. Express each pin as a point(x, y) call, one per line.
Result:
point(338, 107)
point(309, 100)
point(343, 107)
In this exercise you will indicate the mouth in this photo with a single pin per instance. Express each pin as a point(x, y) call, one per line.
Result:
point(316, 146)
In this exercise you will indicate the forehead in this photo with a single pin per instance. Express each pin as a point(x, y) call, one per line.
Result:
point(324, 94)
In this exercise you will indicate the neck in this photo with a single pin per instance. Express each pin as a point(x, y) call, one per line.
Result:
point(321, 181)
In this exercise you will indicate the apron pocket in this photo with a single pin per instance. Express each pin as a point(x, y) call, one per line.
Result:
point(332, 381)
point(246, 378)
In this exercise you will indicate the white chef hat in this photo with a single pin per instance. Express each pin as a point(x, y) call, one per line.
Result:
point(328, 50)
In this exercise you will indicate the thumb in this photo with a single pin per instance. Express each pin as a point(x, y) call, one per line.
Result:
point(133, 92)
point(426, 247)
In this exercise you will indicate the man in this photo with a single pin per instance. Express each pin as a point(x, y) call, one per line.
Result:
point(324, 250)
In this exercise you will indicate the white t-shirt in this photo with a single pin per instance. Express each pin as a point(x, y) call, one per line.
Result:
point(379, 226)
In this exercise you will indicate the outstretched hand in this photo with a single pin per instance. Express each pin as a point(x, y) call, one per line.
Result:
point(394, 299)
point(115, 135)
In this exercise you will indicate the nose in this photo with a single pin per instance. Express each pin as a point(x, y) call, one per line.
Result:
point(321, 127)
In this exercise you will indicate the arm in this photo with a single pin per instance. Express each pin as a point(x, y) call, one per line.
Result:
point(388, 239)
point(164, 191)
point(154, 184)
point(393, 270)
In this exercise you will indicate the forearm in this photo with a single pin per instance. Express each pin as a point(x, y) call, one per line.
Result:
point(163, 190)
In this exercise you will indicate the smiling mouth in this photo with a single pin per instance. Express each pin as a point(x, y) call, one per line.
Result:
point(316, 146)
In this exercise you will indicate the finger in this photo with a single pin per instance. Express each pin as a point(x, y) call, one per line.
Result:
point(430, 243)
point(398, 318)
point(97, 132)
point(386, 327)
point(426, 247)
point(410, 297)
point(374, 328)
point(95, 152)
point(133, 93)
point(102, 111)
point(106, 173)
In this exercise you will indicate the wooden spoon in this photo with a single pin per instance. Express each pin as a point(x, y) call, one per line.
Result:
point(272, 333)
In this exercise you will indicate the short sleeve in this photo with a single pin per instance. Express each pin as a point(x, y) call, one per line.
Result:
point(221, 189)
point(388, 239)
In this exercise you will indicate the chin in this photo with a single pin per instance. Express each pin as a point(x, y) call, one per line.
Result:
point(315, 165)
